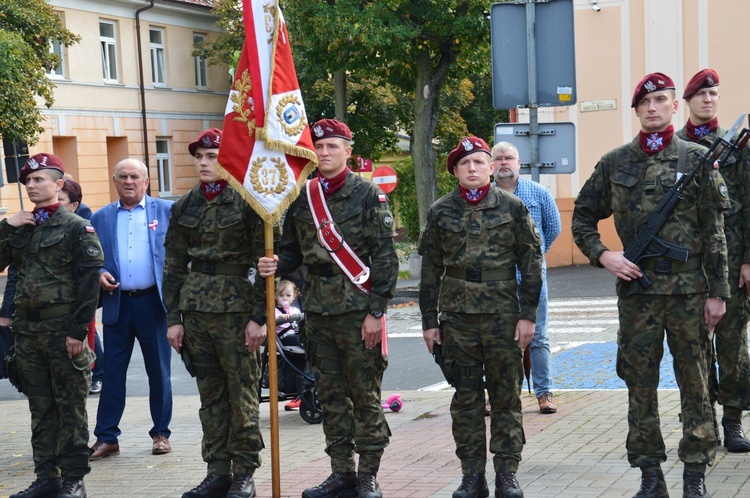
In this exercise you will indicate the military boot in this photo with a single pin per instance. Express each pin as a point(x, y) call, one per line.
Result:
point(694, 485)
point(213, 485)
point(506, 486)
point(243, 486)
point(472, 485)
point(43, 487)
point(653, 485)
point(72, 487)
point(368, 486)
point(734, 437)
point(338, 485)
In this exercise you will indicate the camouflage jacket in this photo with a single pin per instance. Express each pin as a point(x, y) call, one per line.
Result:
point(58, 263)
point(225, 231)
point(496, 234)
point(736, 174)
point(360, 210)
point(629, 184)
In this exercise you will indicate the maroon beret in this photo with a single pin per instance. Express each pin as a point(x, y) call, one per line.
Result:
point(39, 162)
point(466, 146)
point(705, 78)
point(209, 139)
point(651, 83)
point(328, 128)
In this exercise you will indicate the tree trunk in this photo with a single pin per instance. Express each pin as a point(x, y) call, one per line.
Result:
point(340, 97)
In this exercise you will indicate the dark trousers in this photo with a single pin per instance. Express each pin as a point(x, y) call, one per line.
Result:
point(141, 318)
point(97, 371)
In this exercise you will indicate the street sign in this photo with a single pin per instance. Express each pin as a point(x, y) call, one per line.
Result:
point(363, 165)
point(557, 146)
point(554, 40)
point(385, 177)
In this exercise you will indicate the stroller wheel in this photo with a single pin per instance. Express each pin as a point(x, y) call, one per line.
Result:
point(309, 408)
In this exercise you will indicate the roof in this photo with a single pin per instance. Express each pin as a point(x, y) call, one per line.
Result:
point(202, 3)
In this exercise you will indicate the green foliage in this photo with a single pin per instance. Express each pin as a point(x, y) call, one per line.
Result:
point(404, 200)
point(26, 30)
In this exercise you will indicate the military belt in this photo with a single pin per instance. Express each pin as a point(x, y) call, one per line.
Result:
point(667, 266)
point(44, 314)
point(219, 268)
point(323, 270)
point(141, 292)
point(474, 275)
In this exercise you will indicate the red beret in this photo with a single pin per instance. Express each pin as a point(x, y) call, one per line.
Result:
point(651, 83)
point(328, 128)
point(39, 162)
point(705, 78)
point(209, 139)
point(466, 146)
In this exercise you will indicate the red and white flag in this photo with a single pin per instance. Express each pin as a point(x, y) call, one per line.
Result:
point(266, 149)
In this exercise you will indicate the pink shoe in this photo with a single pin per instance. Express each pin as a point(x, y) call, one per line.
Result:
point(292, 405)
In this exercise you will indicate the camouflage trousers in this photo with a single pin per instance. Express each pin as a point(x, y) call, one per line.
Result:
point(228, 378)
point(483, 345)
point(643, 322)
point(57, 388)
point(730, 337)
point(348, 379)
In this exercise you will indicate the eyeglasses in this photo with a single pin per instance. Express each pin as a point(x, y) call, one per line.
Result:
point(500, 159)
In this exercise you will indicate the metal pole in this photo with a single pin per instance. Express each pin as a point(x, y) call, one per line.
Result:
point(533, 104)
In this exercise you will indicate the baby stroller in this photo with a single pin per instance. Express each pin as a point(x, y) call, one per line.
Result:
point(294, 376)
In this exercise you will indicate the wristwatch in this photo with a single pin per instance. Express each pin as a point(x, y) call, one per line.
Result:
point(377, 313)
point(721, 299)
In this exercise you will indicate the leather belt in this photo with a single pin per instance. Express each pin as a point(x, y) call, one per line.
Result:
point(219, 268)
point(44, 314)
point(667, 266)
point(140, 292)
point(324, 270)
point(475, 275)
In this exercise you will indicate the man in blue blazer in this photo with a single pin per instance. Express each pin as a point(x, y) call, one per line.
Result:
point(132, 232)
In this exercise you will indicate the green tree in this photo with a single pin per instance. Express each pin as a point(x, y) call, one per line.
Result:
point(26, 30)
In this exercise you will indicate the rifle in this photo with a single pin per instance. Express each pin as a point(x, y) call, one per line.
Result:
point(646, 243)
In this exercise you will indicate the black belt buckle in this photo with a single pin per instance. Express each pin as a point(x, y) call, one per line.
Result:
point(325, 270)
point(663, 267)
point(209, 268)
point(473, 275)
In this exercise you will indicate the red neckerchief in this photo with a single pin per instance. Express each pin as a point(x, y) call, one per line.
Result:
point(42, 214)
point(697, 132)
point(331, 185)
point(651, 143)
point(474, 195)
point(212, 189)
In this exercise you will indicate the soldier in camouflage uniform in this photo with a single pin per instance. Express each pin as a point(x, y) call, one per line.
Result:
point(471, 244)
point(214, 311)
point(685, 299)
point(58, 257)
point(702, 98)
point(343, 325)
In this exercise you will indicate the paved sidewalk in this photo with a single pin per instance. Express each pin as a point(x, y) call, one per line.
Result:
point(578, 452)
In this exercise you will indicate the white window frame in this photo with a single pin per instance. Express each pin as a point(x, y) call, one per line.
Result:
point(57, 72)
point(164, 167)
point(201, 65)
point(158, 58)
point(109, 51)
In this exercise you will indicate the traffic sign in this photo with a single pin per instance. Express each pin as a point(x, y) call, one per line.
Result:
point(385, 177)
point(557, 146)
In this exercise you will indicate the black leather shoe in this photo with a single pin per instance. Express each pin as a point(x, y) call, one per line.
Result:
point(338, 485)
point(213, 485)
point(368, 486)
point(653, 485)
point(72, 487)
point(506, 486)
point(243, 486)
point(472, 485)
point(734, 437)
point(43, 487)
point(694, 485)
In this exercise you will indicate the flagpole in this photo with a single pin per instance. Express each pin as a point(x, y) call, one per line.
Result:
point(273, 383)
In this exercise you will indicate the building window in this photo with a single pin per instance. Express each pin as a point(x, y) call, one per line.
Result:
point(201, 67)
point(108, 40)
point(164, 165)
point(158, 67)
point(57, 71)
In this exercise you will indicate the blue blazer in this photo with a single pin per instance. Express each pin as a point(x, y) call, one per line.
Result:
point(105, 223)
